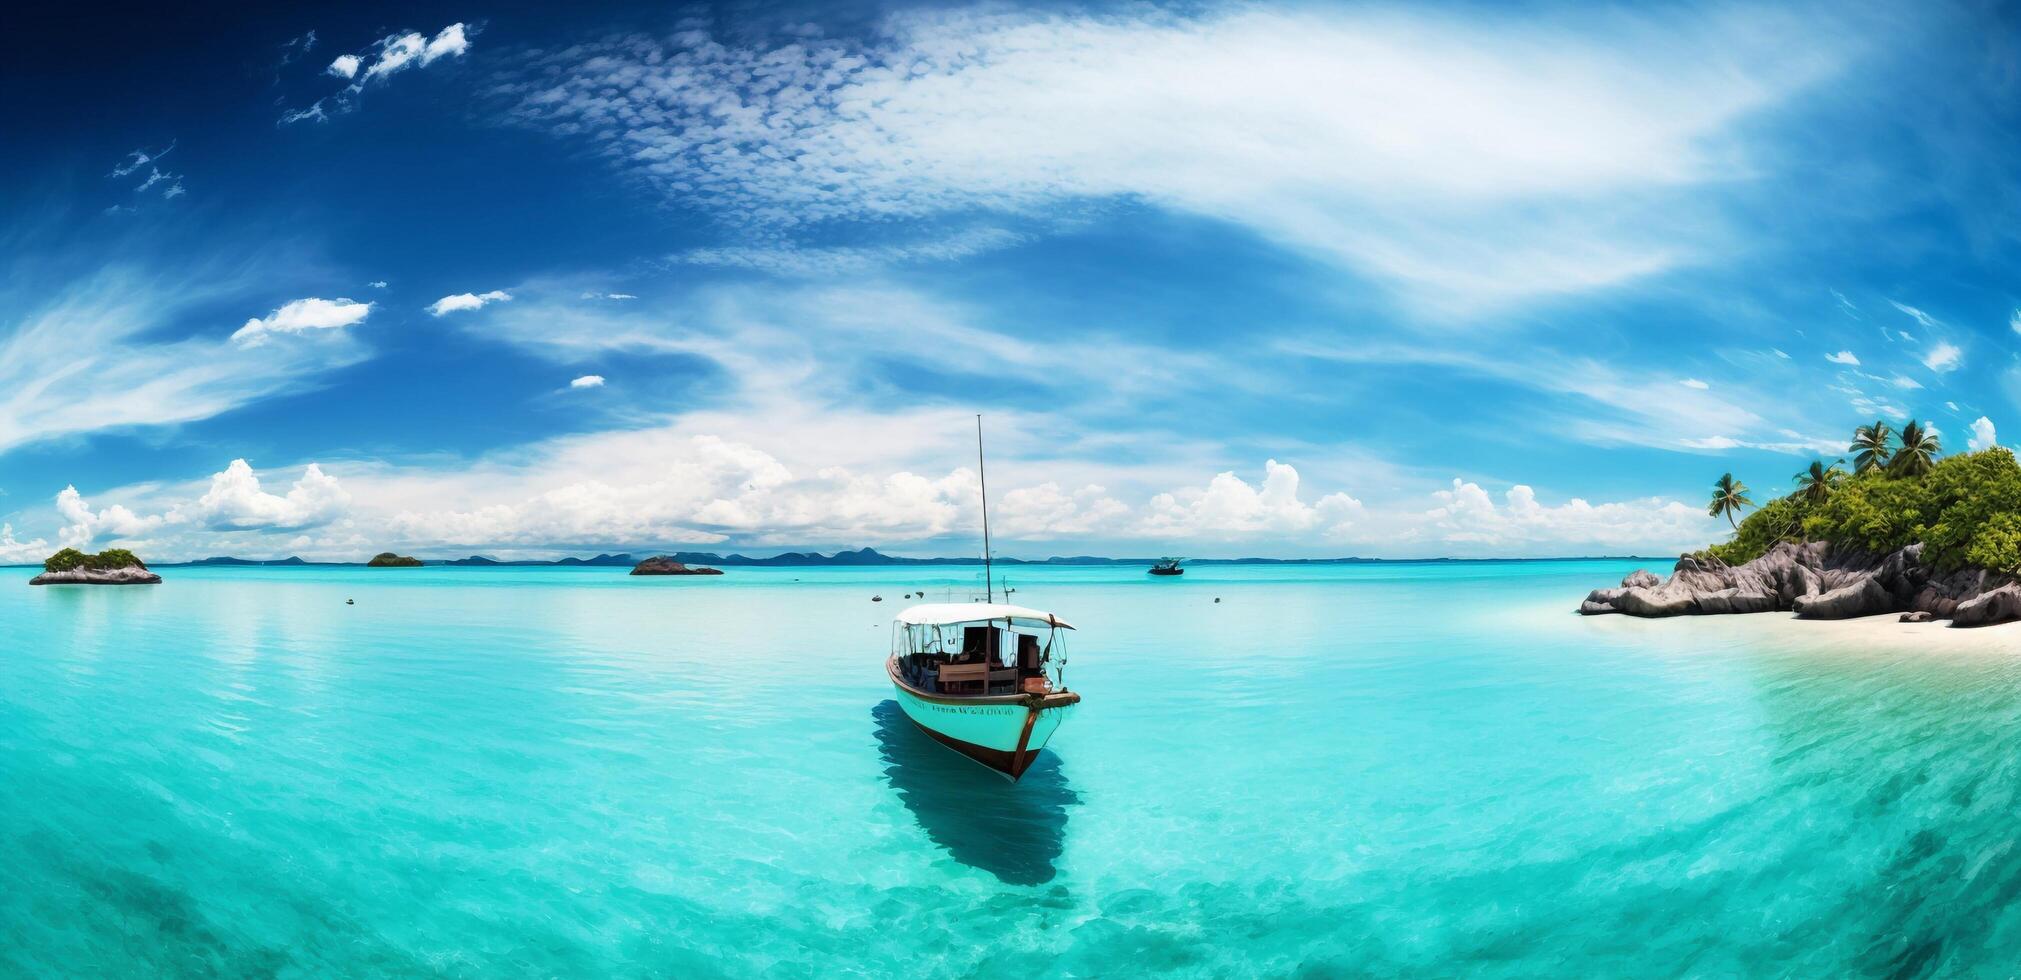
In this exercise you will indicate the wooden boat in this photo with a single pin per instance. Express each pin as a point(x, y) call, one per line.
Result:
point(1168, 566)
point(986, 679)
point(982, 678)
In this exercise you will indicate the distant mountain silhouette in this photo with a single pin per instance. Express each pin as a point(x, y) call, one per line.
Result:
point(872, 557)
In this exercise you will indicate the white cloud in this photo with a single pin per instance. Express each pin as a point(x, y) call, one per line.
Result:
point(1982, 434)
point(301, 315)
point(1694, 383)
point(1465, 161)
point(468, 301)
point(13, 551)
point(345, 66)
point(448, 41)
point(377, 284)
point(1943, 357)
point(1843, 357)
point(1230, 508)
point(1905, 383)
point(235, 501)
point(138, 159)
point(587, 381)
point(1467, 515)
point(619, 297)
point(1778, 352)
point(2014, 321)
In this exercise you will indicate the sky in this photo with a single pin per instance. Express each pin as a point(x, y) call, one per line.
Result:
point(1223, 279)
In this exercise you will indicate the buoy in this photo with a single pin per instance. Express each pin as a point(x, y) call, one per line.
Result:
point(1217, 598)
point(877, 598)
point(350, 602)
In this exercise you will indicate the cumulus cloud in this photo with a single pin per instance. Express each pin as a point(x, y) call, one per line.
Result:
point(1943, 357)
point(1982, 434)
point(1467, 514)
point(1230, 507)
point(1420, 150)
point(301, 315)
point(235, 501)
point(468, 301)
point(1843, 357)
point(345, 66)
point(587, 381)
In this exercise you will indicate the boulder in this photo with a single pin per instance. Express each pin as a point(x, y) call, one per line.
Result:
point(1919, 616)
point(1864, 596)
point(1998, 605)
point(1641, 578)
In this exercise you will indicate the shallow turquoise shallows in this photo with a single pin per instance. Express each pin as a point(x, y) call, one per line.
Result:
point(1394, 769)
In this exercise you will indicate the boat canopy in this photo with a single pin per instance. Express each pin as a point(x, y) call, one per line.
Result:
point(957, 613)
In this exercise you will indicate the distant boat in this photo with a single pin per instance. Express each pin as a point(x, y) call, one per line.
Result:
point(974, 675)
point(1168, 566)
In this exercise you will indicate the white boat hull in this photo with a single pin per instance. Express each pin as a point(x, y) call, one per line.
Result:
point(1003, 733)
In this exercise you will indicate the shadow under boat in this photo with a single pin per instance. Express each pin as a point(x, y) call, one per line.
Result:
point(1015, 831)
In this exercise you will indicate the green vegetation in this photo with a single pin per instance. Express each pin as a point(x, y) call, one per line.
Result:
point(387, 559)
point(71, 559)
point(1965, 509)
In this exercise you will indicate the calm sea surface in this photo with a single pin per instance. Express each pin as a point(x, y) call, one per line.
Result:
point(1396, 769)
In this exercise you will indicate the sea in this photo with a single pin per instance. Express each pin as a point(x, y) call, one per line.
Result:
point(1392, 769)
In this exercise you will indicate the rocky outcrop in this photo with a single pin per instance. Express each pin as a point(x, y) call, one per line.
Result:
point(387, 559)
point(1816, 581)
point(668, 566)
point(130, 575)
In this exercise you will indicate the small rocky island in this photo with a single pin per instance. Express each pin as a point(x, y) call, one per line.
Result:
point(387, 559)
point(667, 566)
point(113, 566)
point(1906, 533)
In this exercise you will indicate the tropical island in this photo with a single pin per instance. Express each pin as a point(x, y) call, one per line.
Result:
point(113, 566)
point(387, 559)
point(1906, 531)
point(662, 565)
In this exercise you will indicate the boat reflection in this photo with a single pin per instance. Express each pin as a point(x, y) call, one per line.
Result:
point(1014, 831)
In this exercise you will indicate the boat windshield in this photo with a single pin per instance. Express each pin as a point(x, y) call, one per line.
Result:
point(981, 658)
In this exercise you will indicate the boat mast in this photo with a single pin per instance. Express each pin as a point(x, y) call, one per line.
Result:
point(988, 586)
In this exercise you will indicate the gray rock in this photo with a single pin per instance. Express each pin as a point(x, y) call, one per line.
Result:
point(1865, 596)
point(1998, 605)
point(1817, 582)
point(1919, 616)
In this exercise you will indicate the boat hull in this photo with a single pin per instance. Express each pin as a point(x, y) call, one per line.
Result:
point(1003, 733)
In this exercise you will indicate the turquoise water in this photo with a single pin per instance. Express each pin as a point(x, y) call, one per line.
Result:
point(1398, 769)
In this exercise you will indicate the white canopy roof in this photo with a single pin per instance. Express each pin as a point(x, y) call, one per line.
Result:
point(955, 613)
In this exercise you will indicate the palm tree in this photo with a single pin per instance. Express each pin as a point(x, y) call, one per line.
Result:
point(1728, 497)
point(1870, 447)
point(1817, 483)
point(1918, 453)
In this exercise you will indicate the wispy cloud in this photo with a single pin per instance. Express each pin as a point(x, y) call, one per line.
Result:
point(1464, 162)
point(1843, 357)
point(1943, 356)
point(391, 55)
point(587, 381)
point(90, 359)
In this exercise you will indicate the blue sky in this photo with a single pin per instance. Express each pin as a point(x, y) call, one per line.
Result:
point(1225, 279)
